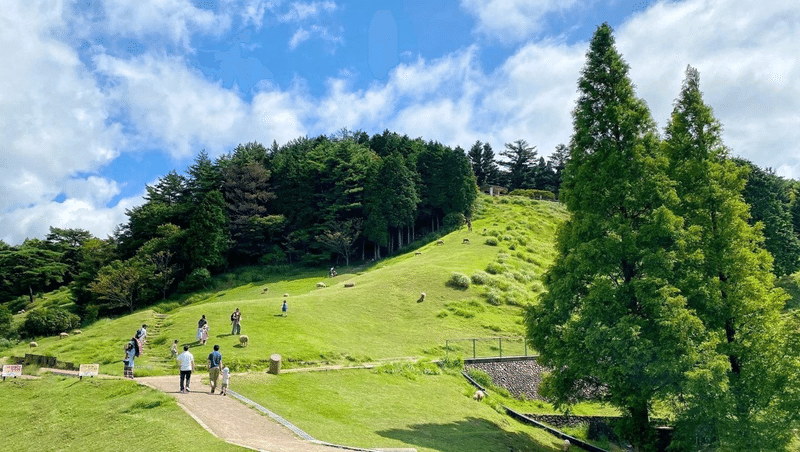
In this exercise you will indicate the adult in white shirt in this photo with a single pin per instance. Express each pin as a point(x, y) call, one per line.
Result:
point(186, 363)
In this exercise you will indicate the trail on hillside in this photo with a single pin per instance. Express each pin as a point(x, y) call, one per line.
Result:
point(231, 420)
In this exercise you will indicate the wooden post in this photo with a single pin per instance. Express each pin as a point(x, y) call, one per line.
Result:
point(275, 364)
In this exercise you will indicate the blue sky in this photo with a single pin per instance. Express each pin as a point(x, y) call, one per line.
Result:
point(100, 97)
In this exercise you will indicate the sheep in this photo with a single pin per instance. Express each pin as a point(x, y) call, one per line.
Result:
point(567, 445)
point(243, 340)
point(76, 331)
point(266, 289)
point(349, 284)
point(418, 253)
point(421, 297)
point(63, 335)
point(321, 285)
point(466, 240)
point(21, 311)
point(285, 295)
point(34, 344)
point(440, 242)
point(478, 396)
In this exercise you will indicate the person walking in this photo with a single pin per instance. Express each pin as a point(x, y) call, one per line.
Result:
point(214, 365)
point(226, 379)
point(186, 363)
point(236, 319)
point(174, 350)
point(141, 337)
point(130, 355)
point(284, 309)
point(200, 324)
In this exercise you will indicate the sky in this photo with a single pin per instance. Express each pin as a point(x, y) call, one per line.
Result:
point(100, 97)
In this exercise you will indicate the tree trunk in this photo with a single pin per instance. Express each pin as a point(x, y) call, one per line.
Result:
point(30, 291)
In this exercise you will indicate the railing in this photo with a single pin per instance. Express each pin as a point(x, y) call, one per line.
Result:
point(485, 347)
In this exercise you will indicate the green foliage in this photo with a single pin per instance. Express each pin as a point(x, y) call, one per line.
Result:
point(459, 281)
point(198, 279)
point(491, 241)
point(534, 194)
point(480, 277)
point(49, 322)
point(453, 221)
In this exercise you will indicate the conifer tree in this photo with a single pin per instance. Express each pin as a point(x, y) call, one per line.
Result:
point(611, 322)
point(741, 395)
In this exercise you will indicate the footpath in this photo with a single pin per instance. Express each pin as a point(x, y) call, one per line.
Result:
point(236, 419)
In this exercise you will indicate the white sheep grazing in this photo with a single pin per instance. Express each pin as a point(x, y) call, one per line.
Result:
point(440, 242)
point(567, 445)
point(321, 285)
point(34, 344)
point(243, 340)
point(285, 295)
point(21, 311)
point(421, 297)
point(63, 335)
point(478, 396)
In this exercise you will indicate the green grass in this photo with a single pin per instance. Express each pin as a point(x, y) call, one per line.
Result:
point(64, 414)
point(379, 317)
point(397, 406)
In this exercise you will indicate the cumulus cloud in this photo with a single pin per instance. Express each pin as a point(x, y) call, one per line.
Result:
point(744, 51)
point(55, 118)
point(300, 11)
point(513, 20)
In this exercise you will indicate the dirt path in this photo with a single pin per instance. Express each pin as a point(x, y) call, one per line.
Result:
point(231, 420)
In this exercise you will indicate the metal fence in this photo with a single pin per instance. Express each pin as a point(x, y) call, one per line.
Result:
point(487, 347)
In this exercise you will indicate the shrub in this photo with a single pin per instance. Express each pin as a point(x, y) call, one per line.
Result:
point(491, 241)
point(495, 268)
point(49, 321)
point(459, 281)
point(453, 220)
point(480, 277)
point(197, 279)
point(493, 298)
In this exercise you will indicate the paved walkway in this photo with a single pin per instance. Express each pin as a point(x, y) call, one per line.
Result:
point(233, 421)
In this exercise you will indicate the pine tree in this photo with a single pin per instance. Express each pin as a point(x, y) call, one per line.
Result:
point(611, 322)
point(742, 392)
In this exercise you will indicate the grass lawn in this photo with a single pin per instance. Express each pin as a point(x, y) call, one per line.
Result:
point(392, 406)
point(67, 414)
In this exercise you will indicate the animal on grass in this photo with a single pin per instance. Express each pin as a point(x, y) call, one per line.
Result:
point(567, 445)
point(349, 284)
point(321, 285)
point(285, 295)
point(421, 297)
point(478, 396)
point(21, 311)
point(417, 253)
point(266, 289)
point(76, 332)
point(466, 240)
point(63, 335)
point(34, 344)
point(243, 340)
point(440, 242)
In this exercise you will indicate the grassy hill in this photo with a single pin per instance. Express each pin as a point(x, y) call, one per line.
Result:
point(474, 289)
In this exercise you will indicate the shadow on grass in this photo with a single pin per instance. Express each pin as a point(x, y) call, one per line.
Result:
point(469, 434)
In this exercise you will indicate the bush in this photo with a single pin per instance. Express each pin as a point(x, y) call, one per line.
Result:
point(495, 268)
point(49, 321)
point(534, 194)
point(197, 279)
point(480, 277)
point(459, 281)
point(491, 241)
point(453, 221)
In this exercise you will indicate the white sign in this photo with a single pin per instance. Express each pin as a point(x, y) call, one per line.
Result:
point(88, 370)
point(12, 370)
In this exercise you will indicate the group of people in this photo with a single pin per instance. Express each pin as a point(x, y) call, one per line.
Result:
point(215, 370)
point(133, 349)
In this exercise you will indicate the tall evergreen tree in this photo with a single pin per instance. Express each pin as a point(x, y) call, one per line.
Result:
point(741, 395)
point(484, 166)
point(520, 165)
point(610, 322)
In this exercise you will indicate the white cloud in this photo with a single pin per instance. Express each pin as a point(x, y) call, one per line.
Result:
point(316, 31)
point(300, 11)
point(299, 36)
point(173, 105)
point(745, 51)
point(55, 120)
point(513, 20)
point(176, 20)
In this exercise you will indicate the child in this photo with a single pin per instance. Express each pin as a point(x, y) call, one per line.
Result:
point(284, 309)
point(226, 377)
point(204, 334)
point(174, 349)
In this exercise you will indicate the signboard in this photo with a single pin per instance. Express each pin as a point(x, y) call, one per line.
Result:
point(88, 370)
point(12, 370)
